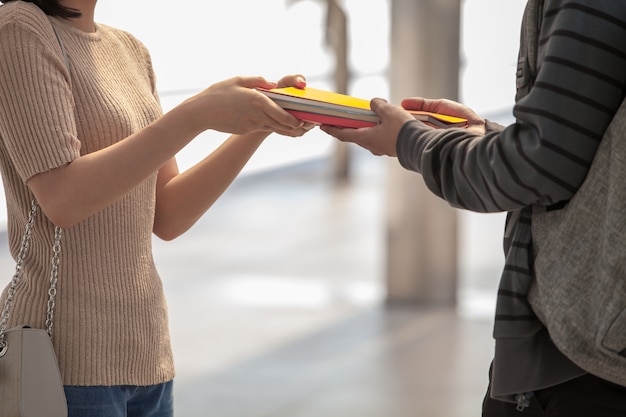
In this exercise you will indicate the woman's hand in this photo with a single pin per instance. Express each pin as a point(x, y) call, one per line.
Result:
point(297, 81)
point(234, 106)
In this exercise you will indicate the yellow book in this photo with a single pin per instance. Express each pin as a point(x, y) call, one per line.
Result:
point(327, 107)
point(322, 96)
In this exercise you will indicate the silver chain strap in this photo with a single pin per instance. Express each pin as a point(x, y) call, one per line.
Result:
point(19, 272)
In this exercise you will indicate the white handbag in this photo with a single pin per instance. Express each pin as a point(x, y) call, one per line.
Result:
point(30, 381)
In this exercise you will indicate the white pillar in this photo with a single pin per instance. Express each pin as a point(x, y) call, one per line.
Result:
point(421, 229)
point(337, 39)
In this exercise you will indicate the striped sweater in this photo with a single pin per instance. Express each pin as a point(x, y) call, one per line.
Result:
point(565, 101)
point(111, 318)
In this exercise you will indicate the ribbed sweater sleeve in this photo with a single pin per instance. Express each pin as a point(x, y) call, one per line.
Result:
point(34, 89)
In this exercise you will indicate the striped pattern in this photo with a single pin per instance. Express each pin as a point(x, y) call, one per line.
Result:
point(542, 158)
point(111, 319)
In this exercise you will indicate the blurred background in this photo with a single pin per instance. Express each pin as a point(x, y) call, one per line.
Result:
point(282, 299)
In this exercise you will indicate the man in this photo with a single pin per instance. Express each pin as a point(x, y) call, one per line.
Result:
point(571, 79)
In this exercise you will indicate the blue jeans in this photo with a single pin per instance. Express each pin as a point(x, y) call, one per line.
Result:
point(120, 401)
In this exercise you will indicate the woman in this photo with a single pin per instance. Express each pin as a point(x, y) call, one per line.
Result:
point(82, 132)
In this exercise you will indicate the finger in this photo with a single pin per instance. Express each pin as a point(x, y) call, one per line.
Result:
point(292, 133)
point(306, 127)
point(414, 103)
point(343, 134)
point(275, 116)
point(256, 82)
point(389, 113)
point(382, 108)
point(295, 80)
point(331, 130)
point(376, 104)
point(279, 119)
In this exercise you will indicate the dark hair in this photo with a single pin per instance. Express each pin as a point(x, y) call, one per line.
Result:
point(52, 8)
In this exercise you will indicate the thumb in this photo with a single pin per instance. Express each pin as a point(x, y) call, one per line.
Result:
point(378, 105)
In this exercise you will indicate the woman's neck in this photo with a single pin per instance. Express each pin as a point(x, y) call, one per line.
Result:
point(86, 8)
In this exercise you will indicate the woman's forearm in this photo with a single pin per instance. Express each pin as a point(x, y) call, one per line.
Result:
point(183, 199)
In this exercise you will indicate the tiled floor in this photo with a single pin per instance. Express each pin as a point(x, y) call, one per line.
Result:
point(371, 363)
point(276, 308)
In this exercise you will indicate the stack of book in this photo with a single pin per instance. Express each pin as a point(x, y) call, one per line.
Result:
point(329, 108)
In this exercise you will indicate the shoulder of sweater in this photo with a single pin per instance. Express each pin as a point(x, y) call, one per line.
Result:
point(23, 13)
point(25, 18)
point(113, 31)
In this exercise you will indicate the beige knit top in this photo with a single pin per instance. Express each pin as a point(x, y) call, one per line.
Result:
point(111, 317)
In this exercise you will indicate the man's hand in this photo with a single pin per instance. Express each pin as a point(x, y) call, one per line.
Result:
point(380, 139)
point(475, 123)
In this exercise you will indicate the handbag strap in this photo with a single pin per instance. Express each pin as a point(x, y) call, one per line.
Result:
point(19, 273)
point(65, 58)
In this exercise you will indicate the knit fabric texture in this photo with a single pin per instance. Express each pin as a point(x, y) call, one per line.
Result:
point(110, 323)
